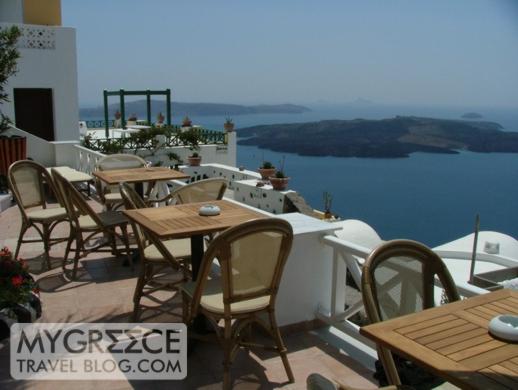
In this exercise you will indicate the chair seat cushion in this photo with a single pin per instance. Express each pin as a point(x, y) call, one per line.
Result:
point(180, 248)
point(113, 197)
point(48, 214)
point(108, 219)
point(212, 299)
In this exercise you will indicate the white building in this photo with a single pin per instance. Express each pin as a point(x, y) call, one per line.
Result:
point(43, 94)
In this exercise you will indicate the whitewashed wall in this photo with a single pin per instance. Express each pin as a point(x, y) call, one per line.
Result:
point(53, 66)
point(11, 11)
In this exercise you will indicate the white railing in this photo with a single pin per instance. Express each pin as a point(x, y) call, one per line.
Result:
point(87, 159)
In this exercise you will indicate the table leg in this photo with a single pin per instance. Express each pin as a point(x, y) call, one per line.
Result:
point(200, 324)
point(196, 254)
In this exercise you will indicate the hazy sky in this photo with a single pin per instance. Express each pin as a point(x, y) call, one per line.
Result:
point(440, 52)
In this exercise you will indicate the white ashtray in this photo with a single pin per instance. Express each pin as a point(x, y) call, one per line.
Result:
point(209, 209)
point(504, 327)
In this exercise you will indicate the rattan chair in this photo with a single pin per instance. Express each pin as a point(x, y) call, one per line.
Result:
point(83, 219)
point(27, 180)
point(198, 191)
point(109, 194)
point(154, 265)
point(398, 278)
point(252, 256)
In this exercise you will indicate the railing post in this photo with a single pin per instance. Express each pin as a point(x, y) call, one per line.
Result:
point(123, 109)
point(168, 106)
point(148, 107)
point(105, 98)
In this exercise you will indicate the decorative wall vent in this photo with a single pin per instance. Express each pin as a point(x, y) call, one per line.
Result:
point(35, 37)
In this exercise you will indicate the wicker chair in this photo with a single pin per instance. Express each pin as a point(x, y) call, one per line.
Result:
point(27, 179)
point(398, 278)
point(83, 219)
point(252, 256)
point(199, 191)
point(154, 264)
point(110, 195)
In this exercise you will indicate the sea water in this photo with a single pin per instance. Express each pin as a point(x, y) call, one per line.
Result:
point(432, 198)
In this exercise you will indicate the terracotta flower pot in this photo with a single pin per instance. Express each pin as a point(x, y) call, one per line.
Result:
point(194, 161)
point(266, 172)
point(229, 127)
point(278, 183)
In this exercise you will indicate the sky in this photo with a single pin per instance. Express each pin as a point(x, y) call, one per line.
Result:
point(402, 52)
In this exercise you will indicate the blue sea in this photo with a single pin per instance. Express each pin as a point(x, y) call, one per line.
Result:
point(432, 198)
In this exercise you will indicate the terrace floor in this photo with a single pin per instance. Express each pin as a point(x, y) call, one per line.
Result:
point(103, 293)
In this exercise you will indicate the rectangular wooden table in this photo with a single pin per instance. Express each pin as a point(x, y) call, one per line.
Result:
point(183, 220)
point(453, 342)
point(139, 175)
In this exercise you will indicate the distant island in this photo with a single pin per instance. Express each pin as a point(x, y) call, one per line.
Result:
point(200, 109)
point(472, 115)
point(386, 138)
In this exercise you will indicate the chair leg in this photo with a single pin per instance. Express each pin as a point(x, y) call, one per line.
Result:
point(137, 295)
point(227, 351)
point(46, 246)
point(125, 238)
point(280, 345)
point(79, 246)
point(69, 245)
point(23, 229)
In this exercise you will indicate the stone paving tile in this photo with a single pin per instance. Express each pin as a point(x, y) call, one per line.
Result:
point(104, 291)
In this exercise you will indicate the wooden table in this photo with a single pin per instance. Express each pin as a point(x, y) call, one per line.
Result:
point(183, 220)
point(139, 175)
point(453, 342)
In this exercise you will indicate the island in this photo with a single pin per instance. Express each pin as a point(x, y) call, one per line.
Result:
point(180, 109)
point(472, 115)
point(385, 138)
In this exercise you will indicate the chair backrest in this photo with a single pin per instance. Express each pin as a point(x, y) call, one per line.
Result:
point(120, 161)
point(252, 256)
point(26, 179)
point(132, 201)
point(201, 191)
point(73, 201)
point(398, 278)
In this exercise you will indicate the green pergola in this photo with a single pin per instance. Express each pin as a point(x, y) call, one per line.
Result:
point(147, 93)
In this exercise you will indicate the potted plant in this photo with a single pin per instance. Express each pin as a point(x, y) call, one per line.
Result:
point(328, 200)
point(229, 125)
point(186, 121)
point(132, 119)
point(19, 296)
point(191, 138)
point(173, 157)
point(266, 170)
point(12, 148)
point(279, 181)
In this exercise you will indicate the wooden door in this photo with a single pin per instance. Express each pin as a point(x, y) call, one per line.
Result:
point(34, 111)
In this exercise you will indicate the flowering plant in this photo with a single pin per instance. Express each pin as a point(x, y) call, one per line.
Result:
point(16, 284)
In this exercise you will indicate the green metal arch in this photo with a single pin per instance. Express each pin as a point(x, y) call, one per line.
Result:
point(147, 93)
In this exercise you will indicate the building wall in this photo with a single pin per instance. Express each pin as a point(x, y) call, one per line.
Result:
point(49, 61)
point(44, 12)
point(11, 11)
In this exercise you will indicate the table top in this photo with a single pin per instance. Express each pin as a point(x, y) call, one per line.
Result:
point(136, 175)
point(183, 220)
point(453, 341)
